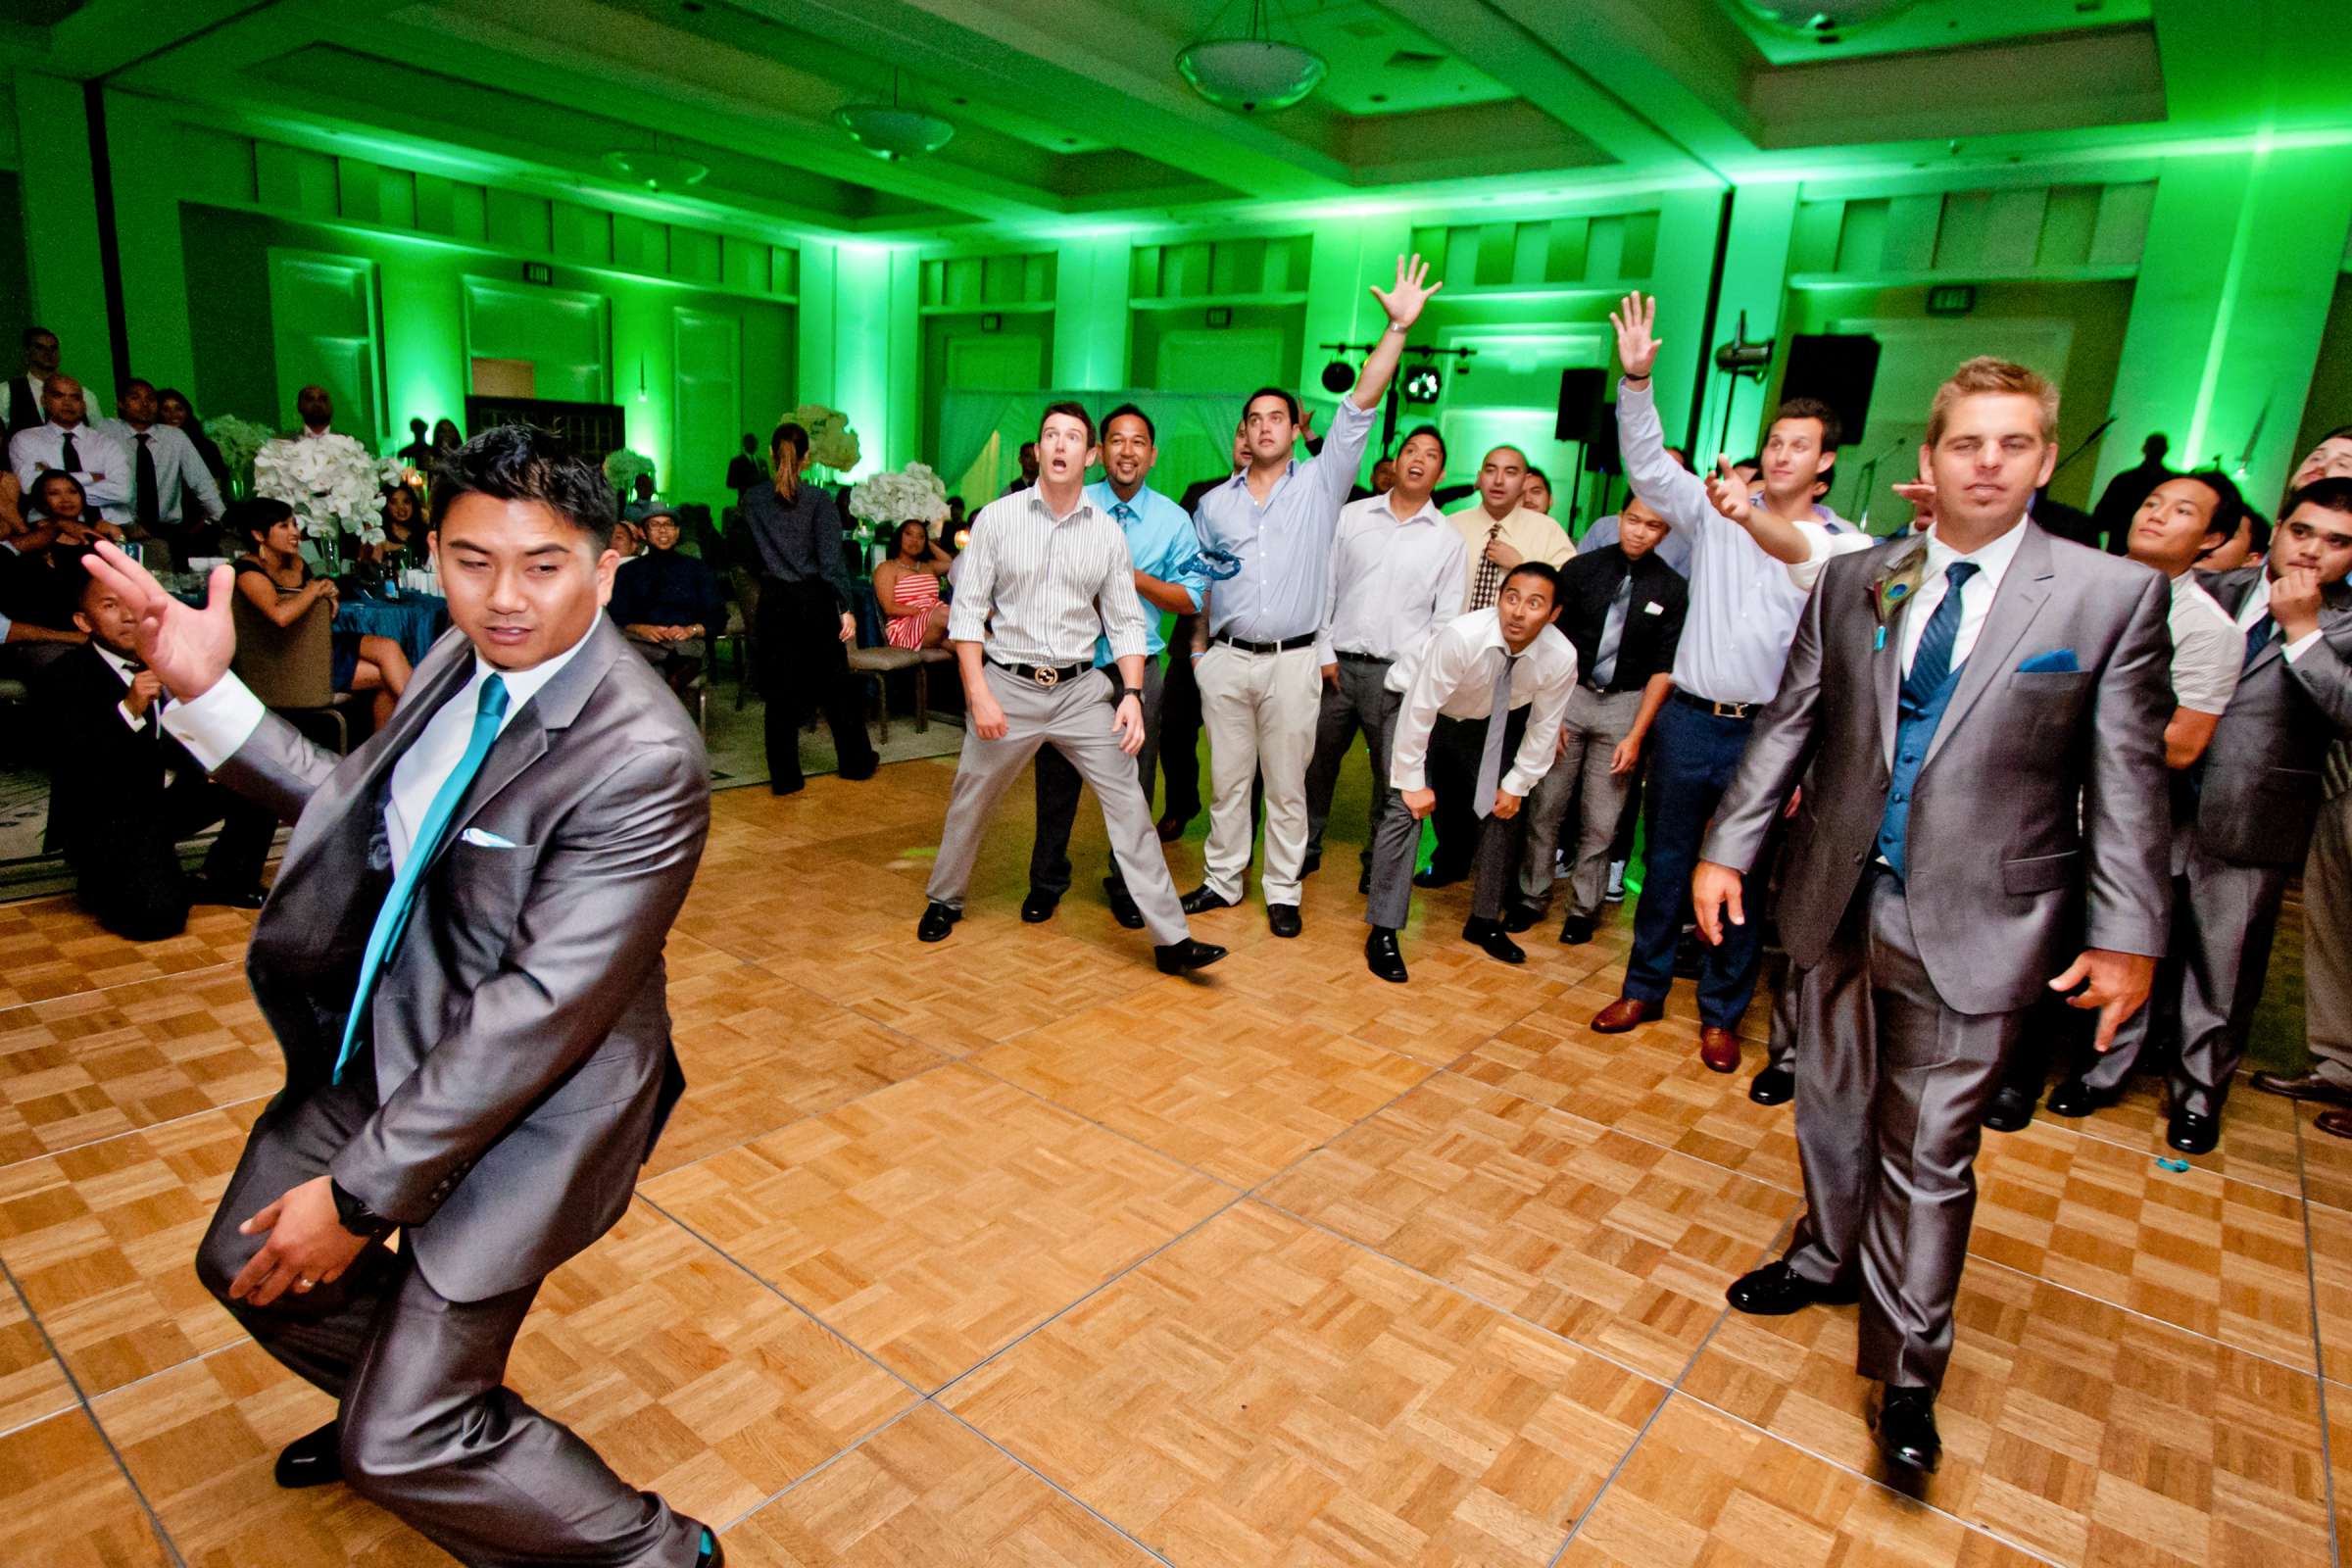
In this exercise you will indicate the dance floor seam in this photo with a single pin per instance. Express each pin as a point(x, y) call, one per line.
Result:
point(1011, 1251)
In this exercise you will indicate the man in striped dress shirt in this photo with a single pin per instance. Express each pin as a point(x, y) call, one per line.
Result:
point(1045, 575)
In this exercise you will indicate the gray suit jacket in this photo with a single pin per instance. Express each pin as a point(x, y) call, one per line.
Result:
point(2038, 787)
point(522, 1037)
point(2259, 793)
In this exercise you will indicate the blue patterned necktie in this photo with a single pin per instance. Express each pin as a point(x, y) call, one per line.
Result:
point(393, 919)
point(1123, 512)
point(2258, 637)
point(1931, 662)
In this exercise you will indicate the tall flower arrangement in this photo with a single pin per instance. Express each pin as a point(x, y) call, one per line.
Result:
point(335, 488)
point(239, 440)
point(883, 501)
point(622, 466)
point(832, 443)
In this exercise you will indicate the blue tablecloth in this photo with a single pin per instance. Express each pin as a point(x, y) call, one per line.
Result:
point(413, 621)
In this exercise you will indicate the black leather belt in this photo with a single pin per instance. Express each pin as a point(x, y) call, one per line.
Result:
point(1306, 640)
point(1045, 675)
point(1348, 657)
point(1707, 705)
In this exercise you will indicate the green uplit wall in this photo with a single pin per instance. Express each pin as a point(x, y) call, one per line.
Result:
point(2191, 292)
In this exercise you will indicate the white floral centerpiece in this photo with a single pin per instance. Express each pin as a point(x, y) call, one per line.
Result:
point(622, 466)
point(887, 500)
point(832, 443)
point(335, 488)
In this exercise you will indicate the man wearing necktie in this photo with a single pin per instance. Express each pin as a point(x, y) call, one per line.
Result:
point(1498, 679)
point(462, 959)
point(65, 445)
point(1983, 708)
point(2259, 791)
point(173, 496)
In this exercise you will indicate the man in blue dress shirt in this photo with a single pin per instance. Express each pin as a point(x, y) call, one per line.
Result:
point(1167, 579)
point(1254, 649)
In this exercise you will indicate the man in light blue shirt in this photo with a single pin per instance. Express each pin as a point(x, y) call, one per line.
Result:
point(1261, 681)
point(1167, 580)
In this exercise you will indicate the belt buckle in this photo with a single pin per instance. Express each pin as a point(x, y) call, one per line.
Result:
point(1045, 675)
point(1730, 709)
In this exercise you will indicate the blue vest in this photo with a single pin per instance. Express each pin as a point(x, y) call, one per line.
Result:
point(1916, 716)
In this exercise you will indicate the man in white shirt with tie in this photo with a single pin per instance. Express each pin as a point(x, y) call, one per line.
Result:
point(65, 444)
point(172, 491)
point(1499, 678)
point(1395, 577)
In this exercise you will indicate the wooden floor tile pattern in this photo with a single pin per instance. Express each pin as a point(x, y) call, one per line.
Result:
point(1248, 1391)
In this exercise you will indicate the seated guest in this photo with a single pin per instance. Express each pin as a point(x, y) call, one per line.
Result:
point(123, 793)
point(906, 587)
point(1622, 610)
point(666, 603)
point(173, 498)
point(38, 589)
point(628, 540)
point(1500, 677)
point(403, 548)
point(641, 502)
point(278, 583)
point(172, 407)
point(65, 444)
point(2259, 793)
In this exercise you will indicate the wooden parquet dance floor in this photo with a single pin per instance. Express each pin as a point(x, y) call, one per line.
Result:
point(1012, 1252)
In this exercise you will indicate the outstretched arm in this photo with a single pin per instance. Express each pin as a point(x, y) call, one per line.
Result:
point(1673, 491)
point(1404, 304)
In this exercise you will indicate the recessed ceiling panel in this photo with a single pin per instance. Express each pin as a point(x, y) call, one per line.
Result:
point(1789, 32)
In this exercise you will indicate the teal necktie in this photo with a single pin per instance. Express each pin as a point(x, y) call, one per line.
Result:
point(393, 918)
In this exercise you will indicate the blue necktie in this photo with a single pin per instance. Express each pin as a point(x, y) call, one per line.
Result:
point(1123, 512)
point(2258, 637)
point(393, 918)
point(1931, 662)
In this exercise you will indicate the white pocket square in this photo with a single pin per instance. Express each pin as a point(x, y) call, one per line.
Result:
point(1653, 608)
point(485, 841)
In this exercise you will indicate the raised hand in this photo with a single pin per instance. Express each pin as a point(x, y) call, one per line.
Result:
point(1412, 291)
point(1637, 344)
point(1921, 493)
point(189, 648)
point(2295, 602)
point(1729, 494)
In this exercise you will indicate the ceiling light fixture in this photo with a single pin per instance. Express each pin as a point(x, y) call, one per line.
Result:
point(1825, 17)
point(1423, 384)
point(654, 169)
point(1251, 73)
point(893, 131)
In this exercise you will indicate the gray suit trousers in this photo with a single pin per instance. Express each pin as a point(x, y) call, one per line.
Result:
point(1058, 785)
point(2327, 942)
point(1887, 1125)
point(1594, 723)
point(1360, 701)
point(429, 1433)
point(1396, 841)
point(1075, 719)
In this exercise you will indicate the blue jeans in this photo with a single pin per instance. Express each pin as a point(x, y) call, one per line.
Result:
point(1691, 759)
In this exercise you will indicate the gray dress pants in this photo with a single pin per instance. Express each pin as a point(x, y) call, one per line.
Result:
point(1362, 701)
point(429, 1432)
point(1058, 784)
point(1398, 839)
point(1888, 1113)
point(1595, 721)
point(1075, 719)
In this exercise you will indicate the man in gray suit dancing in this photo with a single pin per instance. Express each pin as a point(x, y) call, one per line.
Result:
point(462, 959)
point(1983, 708)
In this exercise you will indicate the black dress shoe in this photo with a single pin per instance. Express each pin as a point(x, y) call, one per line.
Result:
point(1178, 957)
point(1776, 1289)
point(1519, 917)
point(1038, 908)
point(2009, 1110)
point(1435, 877)
point(2074, 1098)
point(1282, 919)
point(1489, 938)
point(1382, 957)
point(786, 786)
point(859, 772)
point(313, 1459)
point(1363, 881)
point(1122, 907)
point(1201, 900)
point(1312, 863)
point(1576, 931)
point(1905, 1422)
point(2193, 1134)
point(206, 891)
point(1774, 1085)
point(937, 922)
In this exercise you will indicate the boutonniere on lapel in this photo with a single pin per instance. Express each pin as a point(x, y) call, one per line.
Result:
point(1894, 585)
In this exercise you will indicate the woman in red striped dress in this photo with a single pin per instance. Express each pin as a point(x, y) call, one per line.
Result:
point(906, 586)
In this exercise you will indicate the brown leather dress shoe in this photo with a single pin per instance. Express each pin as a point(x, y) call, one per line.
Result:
point(2335, 1123)
point(2303, 1086)
point(1719, 1049)
point(1625, 1013)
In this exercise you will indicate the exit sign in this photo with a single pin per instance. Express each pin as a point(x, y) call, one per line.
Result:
point(1952, 298)
point(538, 272)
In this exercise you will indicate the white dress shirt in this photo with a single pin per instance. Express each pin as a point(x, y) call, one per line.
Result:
point(2209, 652)
point(137, 721)
point(1992, 561)
point(212, 727)
point(43, 446)
point(2257, 604)
point(1826, 546)
point(180, 473)
point(1041, 588)
point(1456, 677)
point(1393, 582)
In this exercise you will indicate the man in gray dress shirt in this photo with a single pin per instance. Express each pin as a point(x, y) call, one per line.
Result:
point(1045, 575)
point(1260, 683)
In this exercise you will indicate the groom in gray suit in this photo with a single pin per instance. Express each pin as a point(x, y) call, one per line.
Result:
point(461, 960)
point(1983, 709)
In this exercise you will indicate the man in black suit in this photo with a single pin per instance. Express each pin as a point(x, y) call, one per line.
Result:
point(25, 388)
point(123, 793)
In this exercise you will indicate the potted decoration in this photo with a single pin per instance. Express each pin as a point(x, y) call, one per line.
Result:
point(335, 488)
point(832, 443)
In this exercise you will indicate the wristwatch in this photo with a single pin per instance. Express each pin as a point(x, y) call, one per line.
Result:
point(356, 1216)
point(1125, 692)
